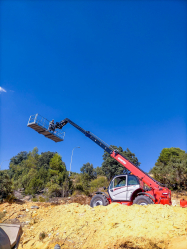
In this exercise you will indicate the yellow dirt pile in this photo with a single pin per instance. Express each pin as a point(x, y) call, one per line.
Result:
point(114, 226)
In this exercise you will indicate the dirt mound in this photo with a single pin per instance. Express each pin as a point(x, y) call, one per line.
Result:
point(73, 225)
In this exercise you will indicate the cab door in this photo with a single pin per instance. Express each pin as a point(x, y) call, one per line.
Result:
point(132, 185)
point(118, 188)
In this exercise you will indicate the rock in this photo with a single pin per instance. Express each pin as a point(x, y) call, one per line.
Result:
point(20, 216)
point(18, 194)
point(22, 209)
point(27, 198)
point(34, 207)
point(57, 246)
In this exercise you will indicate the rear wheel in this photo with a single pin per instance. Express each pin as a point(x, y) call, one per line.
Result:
point(142, 200)
point(98, 200)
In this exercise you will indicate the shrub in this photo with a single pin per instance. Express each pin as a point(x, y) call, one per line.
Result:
point(2, 214)
point(100, 182)
point(78, 192)
point(42, 199)
point(6, 192)
point(79, 187)
point(34, 199)
point(42, 235)
point(54, 190)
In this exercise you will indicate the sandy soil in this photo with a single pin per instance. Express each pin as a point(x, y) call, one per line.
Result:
point(73, 225)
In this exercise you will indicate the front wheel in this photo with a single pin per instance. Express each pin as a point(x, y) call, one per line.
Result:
point(98, 200)
point(142, 200)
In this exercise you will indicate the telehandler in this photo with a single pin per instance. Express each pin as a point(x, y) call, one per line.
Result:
point(135, 188)
point(127, 189)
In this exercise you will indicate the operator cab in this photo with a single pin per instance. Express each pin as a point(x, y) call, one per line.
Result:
point(122, 187)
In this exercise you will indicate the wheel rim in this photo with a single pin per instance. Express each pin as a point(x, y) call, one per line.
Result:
point(143, 204)
point(98, 203)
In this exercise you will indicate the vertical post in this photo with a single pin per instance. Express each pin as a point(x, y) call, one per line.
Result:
point(35, 118)
point(71, 159)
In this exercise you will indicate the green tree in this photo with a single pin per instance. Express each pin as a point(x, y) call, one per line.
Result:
point(168, 153)
point(59, 183)
point(98, 171)
point(88, 169)
point(19, 172)
point(87, 174)
point(171, 168)
point(5, 186)
point(15, 162)
point(44, 159)
point(111, 167)
point(19, 157)
point(56, 163)
point(35, 172)
point(35, 185)
point(85, 182)
point(27, 178)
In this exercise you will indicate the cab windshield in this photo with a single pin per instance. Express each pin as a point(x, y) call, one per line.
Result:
point(132, 180)
point(120, 181)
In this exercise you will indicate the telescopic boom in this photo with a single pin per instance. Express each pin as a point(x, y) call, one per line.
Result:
point(152, 183)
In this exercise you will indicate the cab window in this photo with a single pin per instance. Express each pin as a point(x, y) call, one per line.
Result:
point(112, 185)
point(120, 181)
point(132, 180)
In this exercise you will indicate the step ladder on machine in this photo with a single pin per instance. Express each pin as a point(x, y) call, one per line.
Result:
point(41, 125)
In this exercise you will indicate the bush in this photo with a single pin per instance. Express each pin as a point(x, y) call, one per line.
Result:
point(41, 199)
point(6, 192)
point(42, 235)
point(54, 190)
point(78, 192)
point(79, 187)
point(100, 182)
point(34, 199)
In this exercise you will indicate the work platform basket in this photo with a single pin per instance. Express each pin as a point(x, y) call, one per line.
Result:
point(41, 125)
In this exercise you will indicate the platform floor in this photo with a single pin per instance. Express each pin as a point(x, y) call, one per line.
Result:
point(45, 132)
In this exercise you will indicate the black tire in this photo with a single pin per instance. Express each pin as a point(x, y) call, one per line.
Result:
point(142, 200)
point(99, 199)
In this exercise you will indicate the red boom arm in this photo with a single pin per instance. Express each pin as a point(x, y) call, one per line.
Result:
point(159, 194)
point(135, 170)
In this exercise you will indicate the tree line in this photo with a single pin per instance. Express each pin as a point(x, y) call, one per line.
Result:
point(46, 172)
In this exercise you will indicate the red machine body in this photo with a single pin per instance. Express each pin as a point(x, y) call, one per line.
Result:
point(158, 194)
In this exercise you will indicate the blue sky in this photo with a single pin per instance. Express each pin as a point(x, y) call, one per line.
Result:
point(116, 68)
